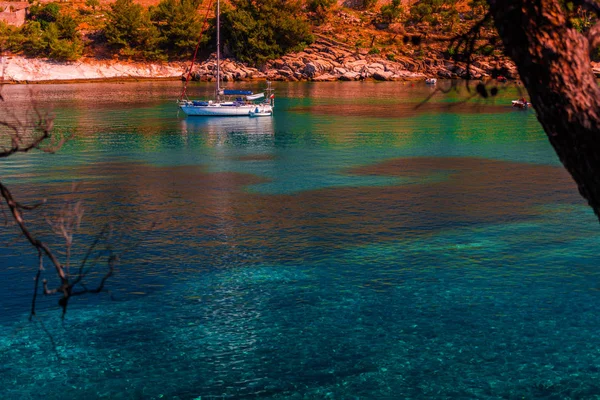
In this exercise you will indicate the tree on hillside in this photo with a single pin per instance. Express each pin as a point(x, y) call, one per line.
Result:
point(478, 7)
point(553, 59)
point(391, 12)
point(49, 33)
point(67, 27)
point(320, 8)
point(435, 12)
point(44, 13)
point(368, 4)
point(128, 29)
point(255, 32)
point(178, 24)
point(92, 4)
point(60, 44)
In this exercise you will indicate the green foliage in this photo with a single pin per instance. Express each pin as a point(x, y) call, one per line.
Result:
point(486, 50)
point(368, 4)
point(255, 32)
point(129, 30)
point(478, 8)
point(582, 25)
point(44, 14)
point(34, 43)
point(435, 12)
point(67, 27)
point(92, 4)
point(320, 8)
point(391, 12)
point(65, 50)
point(390, 56)
point(319, 5)
point(11, 38)
point(60, 48)
point(449, 18)
point(374, 50)
point(420, 11)
point(49, 40)
point(178, 25)
point(47, 34)
point(580, 18)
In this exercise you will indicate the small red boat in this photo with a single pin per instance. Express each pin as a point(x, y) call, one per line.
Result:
point(501, 79)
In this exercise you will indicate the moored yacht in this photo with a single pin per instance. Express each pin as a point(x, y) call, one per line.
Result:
point(227, 103)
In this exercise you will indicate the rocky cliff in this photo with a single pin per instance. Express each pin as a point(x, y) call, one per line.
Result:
point(19, 69)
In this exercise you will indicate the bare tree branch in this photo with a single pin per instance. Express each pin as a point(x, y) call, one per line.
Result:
point(30, 129)
point(465, 45)
point(81, 274)
point(18, 217)
point(37, 281)
point(590, 5)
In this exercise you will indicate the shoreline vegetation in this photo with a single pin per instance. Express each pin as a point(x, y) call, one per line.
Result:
point(304, 40)
point(322, 61)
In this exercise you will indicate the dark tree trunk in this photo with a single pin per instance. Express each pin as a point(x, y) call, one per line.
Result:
point(554, 64)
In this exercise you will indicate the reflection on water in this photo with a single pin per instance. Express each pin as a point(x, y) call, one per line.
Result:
point(320, 253)
point(219, 126)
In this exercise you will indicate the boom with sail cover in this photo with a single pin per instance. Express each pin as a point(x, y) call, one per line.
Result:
point(255, 96)
point(236, 92)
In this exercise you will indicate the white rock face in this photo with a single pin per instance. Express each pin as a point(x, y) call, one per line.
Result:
point(22, 69)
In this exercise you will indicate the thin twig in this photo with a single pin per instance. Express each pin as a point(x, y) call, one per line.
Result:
point(36, 284)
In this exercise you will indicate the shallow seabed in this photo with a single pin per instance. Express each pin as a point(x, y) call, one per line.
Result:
point(351, 247)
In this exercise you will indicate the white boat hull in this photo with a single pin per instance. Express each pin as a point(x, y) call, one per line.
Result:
point(255, 114)
point(220, 110)
point(521, 104)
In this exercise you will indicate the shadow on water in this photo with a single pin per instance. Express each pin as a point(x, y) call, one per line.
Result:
point(402, 110)
point(216, 207)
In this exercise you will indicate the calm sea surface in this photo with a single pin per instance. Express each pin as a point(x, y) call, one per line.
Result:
point(351, 247)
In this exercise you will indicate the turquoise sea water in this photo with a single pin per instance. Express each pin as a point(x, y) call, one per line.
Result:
point(351, 247)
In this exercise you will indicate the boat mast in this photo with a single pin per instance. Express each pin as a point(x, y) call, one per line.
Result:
point(189, 74)
point(218, 50)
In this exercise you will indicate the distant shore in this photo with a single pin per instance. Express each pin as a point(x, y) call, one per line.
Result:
point(320, 62)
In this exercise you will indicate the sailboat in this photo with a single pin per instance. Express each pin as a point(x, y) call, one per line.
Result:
point(227, 103)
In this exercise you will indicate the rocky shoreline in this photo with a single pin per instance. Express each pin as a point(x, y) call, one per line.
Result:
point(324, 60)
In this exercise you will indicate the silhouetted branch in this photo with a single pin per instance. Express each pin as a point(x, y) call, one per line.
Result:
point(112, 260)
point(20, 133)
point(589, 5)
point(26, 132)
point(50, 337)
point(37, 281)
point(440, 90)
point(31, 207)
point(464, 46)
point(19, 219)
point(81, 274)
